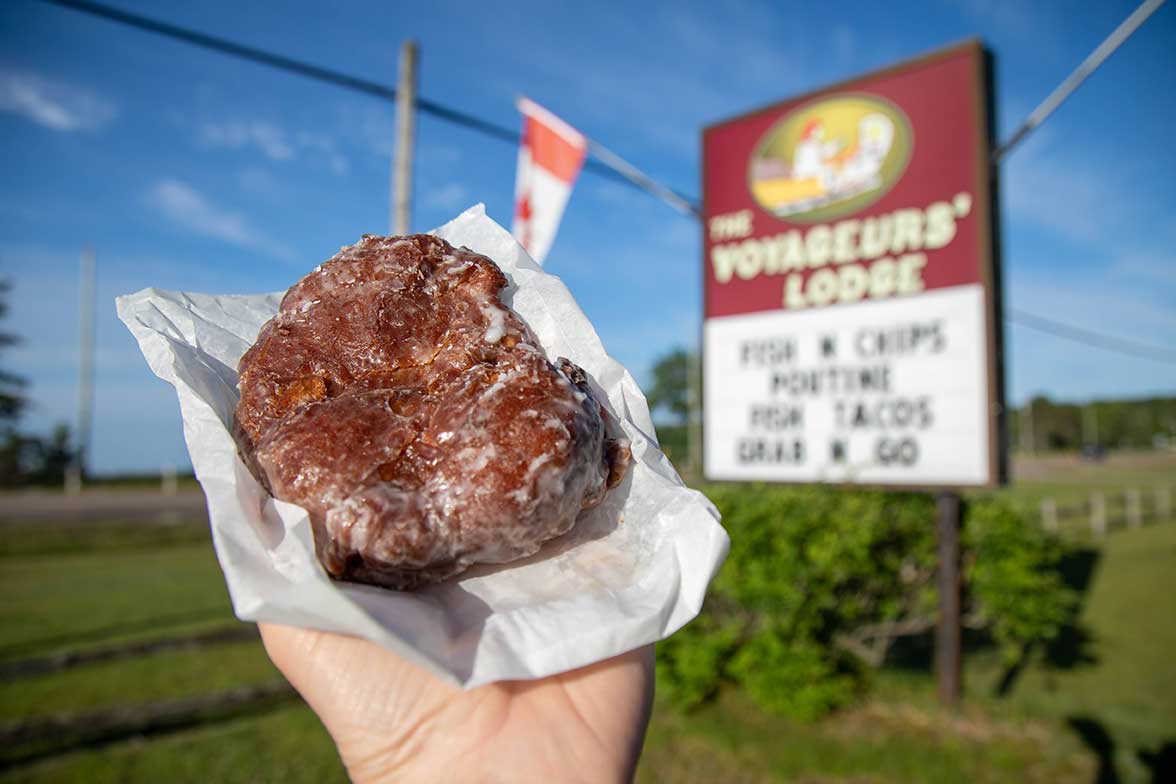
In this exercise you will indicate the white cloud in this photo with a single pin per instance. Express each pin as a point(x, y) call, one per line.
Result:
point(274, 142)
point(186, 207)
point(54, 105)
point(325, 146)
point(268, 138)
point(369, 125)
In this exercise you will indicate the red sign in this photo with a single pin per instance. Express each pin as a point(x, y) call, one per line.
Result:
point(850, 331)
point(866, 190)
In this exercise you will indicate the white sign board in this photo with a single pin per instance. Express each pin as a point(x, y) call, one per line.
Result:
point(850, 328)
point(874, 392)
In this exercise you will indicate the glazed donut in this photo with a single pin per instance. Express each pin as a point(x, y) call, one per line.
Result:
point(416, 418)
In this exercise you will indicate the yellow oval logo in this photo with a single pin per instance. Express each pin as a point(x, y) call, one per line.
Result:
point(830, 158)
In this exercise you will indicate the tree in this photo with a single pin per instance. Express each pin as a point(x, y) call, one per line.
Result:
point(13, 446)
point(671, 385)
point(25, 458)
point(1120, 424)
point(12, 399)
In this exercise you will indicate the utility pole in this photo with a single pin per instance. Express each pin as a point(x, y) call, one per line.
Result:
point(694, 413)
point(406, 89)
point(77, 468)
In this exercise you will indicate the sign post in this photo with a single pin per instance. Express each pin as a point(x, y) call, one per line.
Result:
point(851, 328)
point(948, 634)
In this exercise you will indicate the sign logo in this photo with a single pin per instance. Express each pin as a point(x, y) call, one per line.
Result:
point(830, 158)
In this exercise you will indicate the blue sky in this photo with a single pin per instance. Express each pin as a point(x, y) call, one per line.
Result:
point(189, 170)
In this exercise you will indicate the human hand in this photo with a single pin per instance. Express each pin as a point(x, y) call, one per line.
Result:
point(392, 721)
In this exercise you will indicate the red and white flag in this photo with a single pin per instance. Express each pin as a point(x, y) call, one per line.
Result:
point(550, 157)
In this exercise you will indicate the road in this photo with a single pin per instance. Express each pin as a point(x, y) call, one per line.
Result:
point(101, 504)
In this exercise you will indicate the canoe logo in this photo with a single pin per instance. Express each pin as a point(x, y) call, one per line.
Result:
point(830, 158)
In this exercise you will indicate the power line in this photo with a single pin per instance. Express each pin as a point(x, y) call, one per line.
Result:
point(644, 181)
point(348, 82)
point(1090, 338)
point(676, 199)
point(1080, 74)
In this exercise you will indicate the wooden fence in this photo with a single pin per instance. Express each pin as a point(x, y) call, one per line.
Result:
point(1105, 510)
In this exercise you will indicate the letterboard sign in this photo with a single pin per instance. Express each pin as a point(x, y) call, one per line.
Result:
point(850, 331)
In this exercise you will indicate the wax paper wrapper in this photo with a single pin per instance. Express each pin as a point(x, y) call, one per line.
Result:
point(632, 571)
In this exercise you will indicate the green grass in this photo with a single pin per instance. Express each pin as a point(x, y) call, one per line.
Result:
point(53, 602)
point(287, 745)
point(103, 584)
point(731, 740)
point(161, 676)
point(1115, 670)
point(1124, 676)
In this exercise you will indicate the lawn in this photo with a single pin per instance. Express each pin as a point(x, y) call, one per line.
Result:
point(286, 745)
point(731, 740)
point(1098, 705)
point(62, 601)
point(1113, 678)
point(142, 679)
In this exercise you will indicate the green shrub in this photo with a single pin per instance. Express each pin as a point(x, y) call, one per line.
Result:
point(820, 582)
point(790, 676)
point(1010, 568)
point(690, 664)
